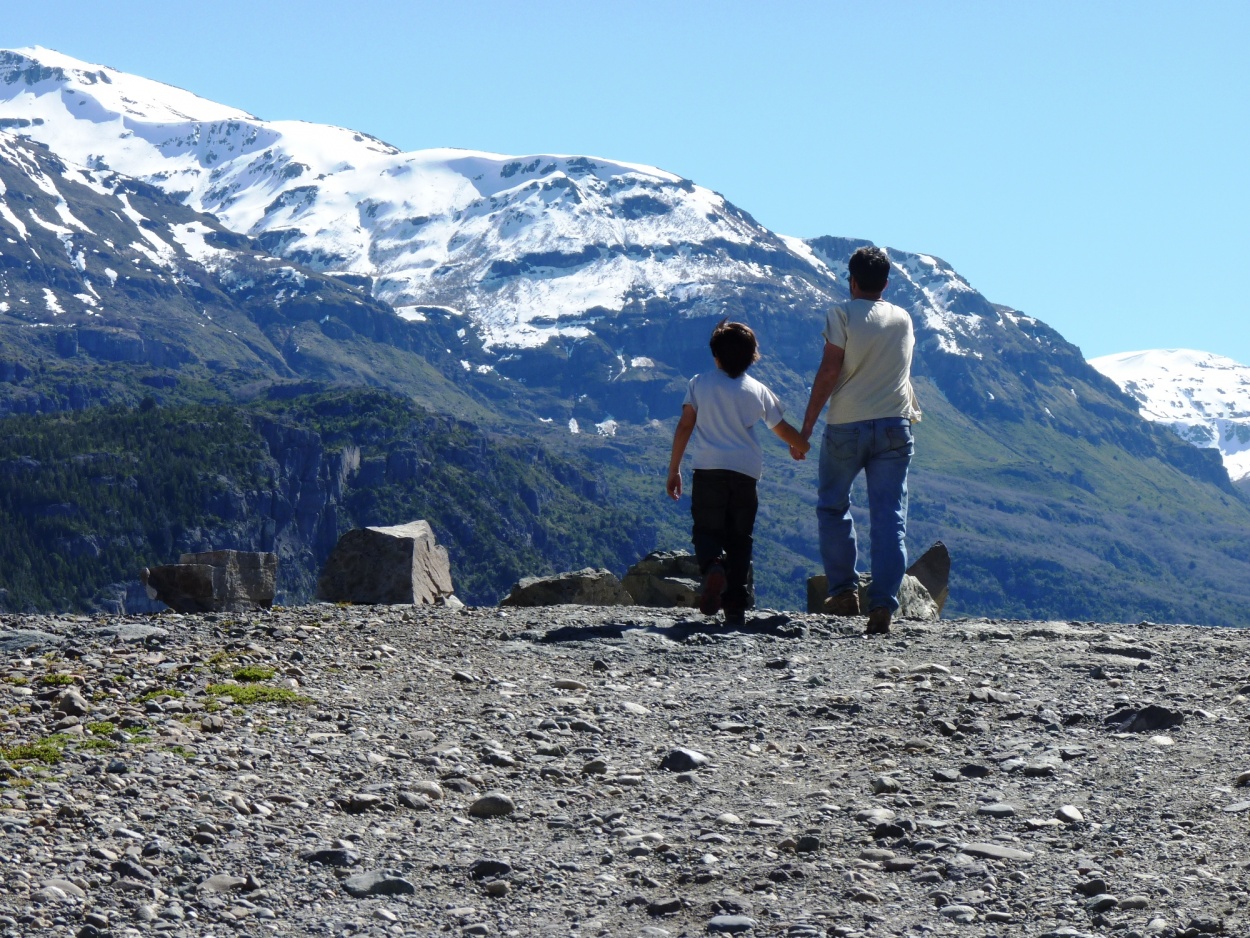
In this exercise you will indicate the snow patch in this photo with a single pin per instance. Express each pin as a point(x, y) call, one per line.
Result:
point(50, 301)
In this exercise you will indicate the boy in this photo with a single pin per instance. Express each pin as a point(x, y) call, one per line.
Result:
point(720, 412)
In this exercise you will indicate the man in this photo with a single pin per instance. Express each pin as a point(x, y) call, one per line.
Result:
point(865, 375)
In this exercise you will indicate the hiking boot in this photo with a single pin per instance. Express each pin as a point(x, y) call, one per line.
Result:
point(713, 585)
point(735, 618)
point(879, 621)
point(846, 603)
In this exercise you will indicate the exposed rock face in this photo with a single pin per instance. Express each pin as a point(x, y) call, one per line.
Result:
point(588, 587)
point(215, 581)
point(381, 566)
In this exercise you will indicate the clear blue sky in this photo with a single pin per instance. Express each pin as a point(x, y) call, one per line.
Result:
point(1085, 162)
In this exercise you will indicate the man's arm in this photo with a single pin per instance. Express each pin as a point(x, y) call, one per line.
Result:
point(681, 436)
point(822, 386)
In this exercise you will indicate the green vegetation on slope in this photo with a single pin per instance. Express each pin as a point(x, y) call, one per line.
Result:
point(91, 497)
point(1040, 523)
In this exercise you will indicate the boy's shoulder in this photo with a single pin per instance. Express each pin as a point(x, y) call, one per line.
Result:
point(754, 385)
point(743, 382)
point(716, 376)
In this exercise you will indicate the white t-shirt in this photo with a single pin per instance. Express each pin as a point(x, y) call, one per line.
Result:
point(727, 410)
point(875, 381)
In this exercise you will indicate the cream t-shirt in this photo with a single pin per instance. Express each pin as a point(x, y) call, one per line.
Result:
point(875, 382)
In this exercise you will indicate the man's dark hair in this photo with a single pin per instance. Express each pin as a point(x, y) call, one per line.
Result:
point(734, 345)
point(870, 266)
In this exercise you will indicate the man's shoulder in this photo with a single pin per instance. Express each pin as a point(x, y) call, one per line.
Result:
point(892, 309)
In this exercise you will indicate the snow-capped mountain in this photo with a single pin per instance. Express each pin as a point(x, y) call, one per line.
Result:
point(1204, 398)
point(109, 290)
point(530, 247)
point(587, 263)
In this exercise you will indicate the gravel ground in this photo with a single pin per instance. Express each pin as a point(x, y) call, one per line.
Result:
point(579, 771)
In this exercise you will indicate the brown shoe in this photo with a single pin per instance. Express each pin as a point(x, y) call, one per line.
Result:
point(713, 585)
point(878, 621)
point(846, 603)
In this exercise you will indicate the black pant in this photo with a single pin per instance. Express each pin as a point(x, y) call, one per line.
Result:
point(723, 505)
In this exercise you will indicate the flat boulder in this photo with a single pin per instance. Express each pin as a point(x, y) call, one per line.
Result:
point(31, 641)
point(587, 587)
point(401, 564)
point(215, 581)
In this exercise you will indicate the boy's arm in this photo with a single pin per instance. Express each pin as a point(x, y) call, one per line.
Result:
point(798, 445)
point(681, 436)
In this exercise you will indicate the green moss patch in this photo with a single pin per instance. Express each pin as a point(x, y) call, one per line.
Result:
point(153, 694)
point(256, 694)
point(253, 673)
point(48, 750)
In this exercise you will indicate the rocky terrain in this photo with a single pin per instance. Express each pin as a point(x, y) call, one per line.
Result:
point(337, 770)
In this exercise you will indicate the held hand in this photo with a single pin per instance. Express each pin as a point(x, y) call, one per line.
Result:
point(673, 485)
point(799, 454)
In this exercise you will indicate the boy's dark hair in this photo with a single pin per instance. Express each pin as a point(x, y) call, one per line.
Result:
point(734, 345)
point(870, 266)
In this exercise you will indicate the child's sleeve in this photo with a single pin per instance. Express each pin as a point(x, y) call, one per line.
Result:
point(690, 395)
point(774, 412)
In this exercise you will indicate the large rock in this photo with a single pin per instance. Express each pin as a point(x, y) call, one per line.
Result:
point(27, 641)
point(670, 578)
point(664, 578)
point(381, 566)
point(214, 581)
point(588, 587)
point(933, 570)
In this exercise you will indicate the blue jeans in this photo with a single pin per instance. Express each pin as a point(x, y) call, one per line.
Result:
point(883, 450)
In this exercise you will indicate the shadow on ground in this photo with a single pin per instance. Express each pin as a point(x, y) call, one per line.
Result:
point(777, 624)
